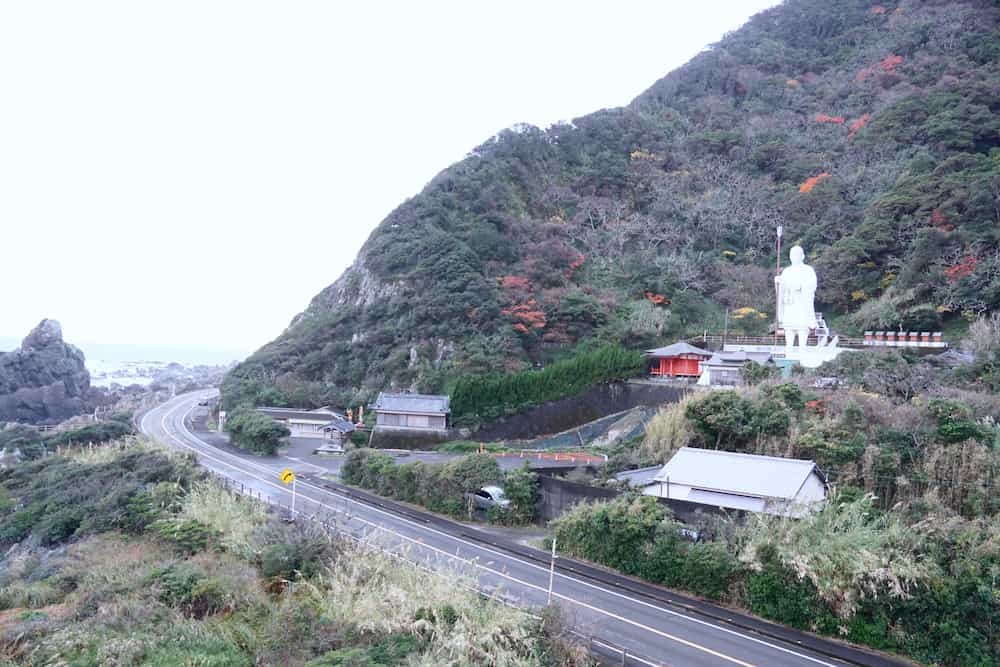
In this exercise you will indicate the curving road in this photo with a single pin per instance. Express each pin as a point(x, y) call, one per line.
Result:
point(653, 631)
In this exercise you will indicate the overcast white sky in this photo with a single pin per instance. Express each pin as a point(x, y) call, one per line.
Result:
point(191, 173)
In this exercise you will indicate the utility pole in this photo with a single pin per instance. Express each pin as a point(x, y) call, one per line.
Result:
point(552, 568)
point(777, 285)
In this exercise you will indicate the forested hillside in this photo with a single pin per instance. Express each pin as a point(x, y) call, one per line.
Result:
point(870, 131)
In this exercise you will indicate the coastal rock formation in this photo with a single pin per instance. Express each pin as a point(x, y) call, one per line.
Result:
point(45, 380)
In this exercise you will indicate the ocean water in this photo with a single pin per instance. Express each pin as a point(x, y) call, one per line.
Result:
point(137, 364)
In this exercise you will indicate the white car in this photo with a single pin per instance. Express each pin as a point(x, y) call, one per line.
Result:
point(490, 496)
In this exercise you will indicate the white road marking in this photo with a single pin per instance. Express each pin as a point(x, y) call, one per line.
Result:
point(474, 546)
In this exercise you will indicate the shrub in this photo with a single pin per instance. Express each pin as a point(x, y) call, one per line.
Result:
point(188, 589)
point(520, 486)
point(189, 535)
point(440, 488)
point(255, 432)
point(754, 373)
point(391, 650)
point(60, 497)
point(954, 421)
point(723, 418)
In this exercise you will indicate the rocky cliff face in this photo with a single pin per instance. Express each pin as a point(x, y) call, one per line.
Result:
point(45, 380)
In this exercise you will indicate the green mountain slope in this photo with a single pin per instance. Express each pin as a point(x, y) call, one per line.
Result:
point(869, 131)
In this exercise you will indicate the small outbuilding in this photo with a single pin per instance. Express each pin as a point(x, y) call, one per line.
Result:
point(302, 423)
point(677, 360)
point(748, 482)
point(411, 412)
point(724, 369)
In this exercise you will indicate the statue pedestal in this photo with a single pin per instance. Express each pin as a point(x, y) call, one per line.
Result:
point(811, 356)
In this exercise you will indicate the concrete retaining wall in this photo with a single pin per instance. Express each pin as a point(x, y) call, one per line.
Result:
point(559, 495)
point(567, 413)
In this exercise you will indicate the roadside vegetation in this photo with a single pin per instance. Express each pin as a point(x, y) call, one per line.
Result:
point(445, 487)
point(923, 587)
point(905, 556)
point(130, 556)
point(254, 432)
point(33, 444)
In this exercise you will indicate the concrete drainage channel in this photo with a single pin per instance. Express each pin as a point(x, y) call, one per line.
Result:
point(850, 654)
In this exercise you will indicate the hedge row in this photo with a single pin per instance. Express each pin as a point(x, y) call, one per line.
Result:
point(492, 397)
point(442, 487)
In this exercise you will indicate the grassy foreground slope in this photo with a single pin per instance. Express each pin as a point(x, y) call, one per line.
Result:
point(869, 130)
point(126, 555)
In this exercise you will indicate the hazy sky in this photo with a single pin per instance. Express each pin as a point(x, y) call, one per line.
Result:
point(192, 173)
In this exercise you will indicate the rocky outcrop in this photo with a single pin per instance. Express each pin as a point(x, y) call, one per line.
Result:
point(45, 380)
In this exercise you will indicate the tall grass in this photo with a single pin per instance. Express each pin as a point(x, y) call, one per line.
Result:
point(372, 591)
point(235, 517)
point(847, 550)
point(668, 431)
point(104, 453)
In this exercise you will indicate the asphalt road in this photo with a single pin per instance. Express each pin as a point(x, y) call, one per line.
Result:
point(655, 632)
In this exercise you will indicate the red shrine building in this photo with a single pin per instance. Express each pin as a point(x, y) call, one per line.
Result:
point(677, 360)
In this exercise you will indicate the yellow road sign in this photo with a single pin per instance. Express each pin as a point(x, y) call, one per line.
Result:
point(287, 476)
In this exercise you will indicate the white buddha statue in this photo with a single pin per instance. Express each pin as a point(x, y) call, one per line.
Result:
point(796, 288)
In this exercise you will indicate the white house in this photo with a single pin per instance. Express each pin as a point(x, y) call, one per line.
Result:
point(769, 484)
point(302, 423)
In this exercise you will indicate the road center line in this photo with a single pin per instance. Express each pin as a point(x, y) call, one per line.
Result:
point(473, 546)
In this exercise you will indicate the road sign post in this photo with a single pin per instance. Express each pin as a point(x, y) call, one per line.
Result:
point(288, 477)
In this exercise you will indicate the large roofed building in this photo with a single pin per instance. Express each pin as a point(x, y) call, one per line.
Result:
point(412, 412)
point(736, 481)
point(677, 360)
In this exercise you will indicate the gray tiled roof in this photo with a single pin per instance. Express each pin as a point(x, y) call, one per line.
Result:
point(676, 349)
point(341, 425)
point(421, 404)
point(640, 477)
point(291, 413)
point(731, 472)
point(740, 357)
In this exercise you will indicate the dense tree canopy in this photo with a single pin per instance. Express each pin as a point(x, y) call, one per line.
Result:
point(869, 131)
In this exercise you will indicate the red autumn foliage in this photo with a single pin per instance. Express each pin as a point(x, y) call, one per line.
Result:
point(964, 268)
point(526, 316)
point(812, 181)
point(575, 264)
point(940, 220)
point(823, 118)
point(515, 282)
point(891, 62)
point(887, 64)
point(858, 124)
point(817, 406)
point(657, 299)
